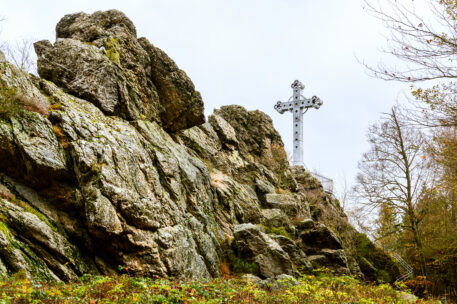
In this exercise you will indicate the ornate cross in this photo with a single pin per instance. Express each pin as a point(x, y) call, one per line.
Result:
point(298, 105)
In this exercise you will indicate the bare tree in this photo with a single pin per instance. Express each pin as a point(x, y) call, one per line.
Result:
point(426, 46)
point(393, 173)
point(21, 55)
point(2, 43)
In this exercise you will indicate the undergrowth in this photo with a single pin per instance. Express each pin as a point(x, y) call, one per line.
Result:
point(126, 289)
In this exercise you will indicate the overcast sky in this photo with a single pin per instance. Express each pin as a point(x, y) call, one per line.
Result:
point(248, 52)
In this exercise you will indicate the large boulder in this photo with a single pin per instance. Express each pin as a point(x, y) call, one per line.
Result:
point(255, 132)
point(319, 236)
point(99, 58)
point(225, 131)
point(286, 202)
point(182, 105)
point(256, 246)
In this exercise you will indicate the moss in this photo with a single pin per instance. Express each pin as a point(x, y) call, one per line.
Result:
point(383, 276)
point(32, 210)
point(55, 106)
point(209, 165)
point(4, 229)
point(89, 43)
point(10, 104)
point(374, 263)
point(37, 267)
point(111, 50)
point(276, 230)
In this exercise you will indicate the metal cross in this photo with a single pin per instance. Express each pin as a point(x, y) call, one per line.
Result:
point(296, 104)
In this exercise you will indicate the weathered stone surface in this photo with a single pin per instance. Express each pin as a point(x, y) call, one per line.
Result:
point(28, 147)
point(95, 175)
point(2, 57)
point(279, 282)
point(99, 58)
point(182, 104)
point(237, 202)
point(320, 236)
point(54, 255)
point(180, 255)
point(305, 179)
point(306, 224)
point(254, 130)
point(274, 217)
point(255, 245)
point(296, 254)
point(225, 131)
point(286, 202)
point(336, 260)
point(87, 27)
point(85, 71)
point(250, 278)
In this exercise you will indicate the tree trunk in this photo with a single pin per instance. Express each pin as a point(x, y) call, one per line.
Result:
point(418, 243)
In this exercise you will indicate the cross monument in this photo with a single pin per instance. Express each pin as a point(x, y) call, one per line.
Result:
point(298, 105)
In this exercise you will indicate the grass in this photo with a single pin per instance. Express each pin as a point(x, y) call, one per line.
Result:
point(126, 289)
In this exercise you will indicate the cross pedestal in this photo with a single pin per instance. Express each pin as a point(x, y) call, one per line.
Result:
point(298, 105)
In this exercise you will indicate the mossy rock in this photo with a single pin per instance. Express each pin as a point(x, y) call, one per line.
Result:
point(375, 264)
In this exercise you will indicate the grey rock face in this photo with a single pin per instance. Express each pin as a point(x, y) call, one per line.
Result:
point(320, 236)
point(107, 163)
point(99, 58)
point(255, 245)
point(275, 218)
point(84, 70)
point(225, 131)
point(286, 202)
point(182, 106)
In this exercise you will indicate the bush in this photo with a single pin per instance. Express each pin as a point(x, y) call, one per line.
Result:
point(240, 265)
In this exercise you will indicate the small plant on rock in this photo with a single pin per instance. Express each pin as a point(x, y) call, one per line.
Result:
point(111, 50)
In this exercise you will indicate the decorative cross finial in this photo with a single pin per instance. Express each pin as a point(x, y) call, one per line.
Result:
point(296, 104)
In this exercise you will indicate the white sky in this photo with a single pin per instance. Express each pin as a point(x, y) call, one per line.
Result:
point(248, 52)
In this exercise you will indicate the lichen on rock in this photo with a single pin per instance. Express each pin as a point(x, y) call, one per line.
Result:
point(121, 171)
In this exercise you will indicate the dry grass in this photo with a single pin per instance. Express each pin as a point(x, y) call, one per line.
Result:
point(34, 104)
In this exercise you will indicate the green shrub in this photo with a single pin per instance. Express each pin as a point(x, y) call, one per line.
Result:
point(240, 265)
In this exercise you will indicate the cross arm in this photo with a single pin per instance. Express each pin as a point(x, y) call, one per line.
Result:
point(302, 103)
point(282, 107)
point(316, 102)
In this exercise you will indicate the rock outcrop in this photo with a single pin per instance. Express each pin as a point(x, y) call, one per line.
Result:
point(99, 58)
point(118, 170)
